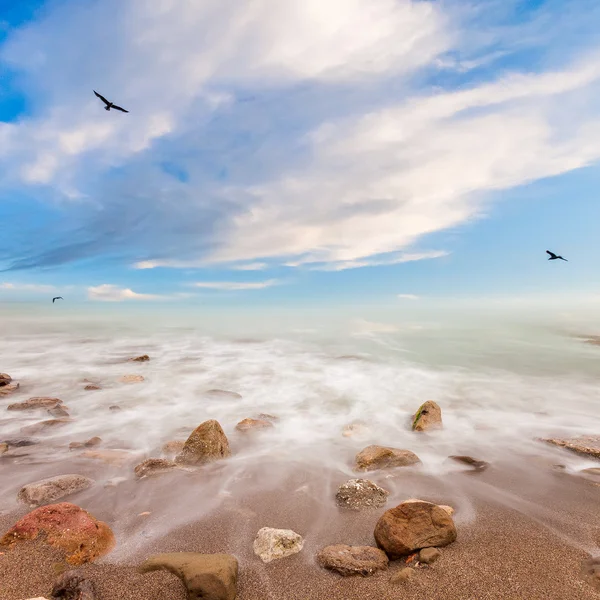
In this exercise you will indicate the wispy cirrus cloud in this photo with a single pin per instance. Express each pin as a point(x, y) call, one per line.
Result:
point(236, 285)
point(407, 297)
point(357, 264)
point(113, 293)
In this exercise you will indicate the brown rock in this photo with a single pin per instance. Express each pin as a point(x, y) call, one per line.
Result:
point(586, 445)
point(5, 379)
point(253, 425)
point(429, 555)
point(205, 576)
point(58, 411)
point(447, 508)
point(353, 560)
point(67, 527)
point(9, 388)
point(72, 586)
point(206, 443)
point(357, 494)
point(95, 441)
point(154, 466)
point(373, 458)
point(477, 465)
point(3, 448)
point(402, 576)
point(428, 417)
point(412, 526)
point(92, 386)
point(267, 417)
point(45, 426)
point(35, 404)
point(173, 447)
point(131, 379)
point(143, 358)
point(114, 408)
point(223, 394)
point(53, 488)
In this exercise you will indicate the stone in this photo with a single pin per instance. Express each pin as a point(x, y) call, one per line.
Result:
point(67, 527)
point(373, 458)
point(272, 544)
point(253, 425)
point(586, 445)
point(43, 426)
point(477, 465)
point(357, 429)
point(73, 586)
point(268, 417)
point(143, 358)
point(429, 555)
point(92, 386)
point(20, 442)
point(447, 508)
point(402, 576)
point(5, 379)
point(8, 388)
point(114, 408)
point(353, 560)
point(131, 379)
point(95, 441)
point(53, 488)
point(413, 525)
point(428, 417)
point(110, 457)
point(58, 411)
point(206, 443)
point(205, 576)
point(173, 447)
point(35, 404)
point(154, 466)
point(223, 394)
point(3, 448)
point(357, 494)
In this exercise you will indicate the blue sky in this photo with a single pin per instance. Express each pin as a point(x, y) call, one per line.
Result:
point(299, 152)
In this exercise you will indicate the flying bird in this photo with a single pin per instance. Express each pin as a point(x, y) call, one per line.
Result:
point(109, 105)
point(554, 256)
point(57, 298)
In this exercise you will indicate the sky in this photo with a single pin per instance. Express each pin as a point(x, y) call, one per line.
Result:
point(299, 152)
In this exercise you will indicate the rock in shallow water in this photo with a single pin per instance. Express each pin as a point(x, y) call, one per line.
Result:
point(9, 388)
point(131, 379)
point(428, 417)
point(143, 358)
point(206, 443)
point(223, 395)
point(5, 379)
point(53, 488)
point(205, 576)
point(373, 458)
point(72, 586)
point(271, 544)
point(173, 447)
point(357, 494)
point(35, 404)
point(154, 466)
point(253, 425)
point(43, 426)
point(87, 444)
point(476, 465)
point(353, 560)
point(587, 445)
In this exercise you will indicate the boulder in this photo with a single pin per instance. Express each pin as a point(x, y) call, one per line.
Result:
point(429, 555)
point(353, 560)
point(5, 379)
point(92, 386)
point(206, 443)
point(43, 426)
point(404, 575)
point(53, 488)
point(253, 425)
point(95, 441)
point(357, 494)
point(428, 417)
point(143, 358)
point(173, 447)
point(67, 527)
point(476, 465)
point(35, 404)
point(131, 379)
point(272, 544)
point(205, 576)
point(223, 395)
point(8, 388)
point(154, 466)
point(586, 445)
point(412, 526)
point(373, 458)
point(72, 586)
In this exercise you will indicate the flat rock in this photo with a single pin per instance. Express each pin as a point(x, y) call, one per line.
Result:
point(110, 457)
point(272, 544)
point(67, 527)
point(223, 394)
point(476, 465)
point(71, 585)
point(206, 443)
point(44, 426)
point(5, 379)
point(173, 447)
point(92, 386)
point(428, 417)
point(154, 466)
point(586, 445)
point(357, 494)
point(53, 488)
point(205, 576)
point(131, 379)
point(353, 560)
point(414, 525)
point(35, 404)
point(373, 458)
point(142, 358)
point(114, 408)
point(8, 388)
point(253, 425)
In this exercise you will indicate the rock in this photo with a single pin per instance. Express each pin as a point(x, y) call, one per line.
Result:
point(3, 448)
point(154, 466)
point(223, 394)
point(45, 425)
point(402, 576)
point(373, 458)
point(428, 417)
point(53, 488)
point(35, 404)
point(73, 586)
point(114, 408)
point(20, 442)
point(131, 379)
point(92, 386)
point(8, 388)
point(477, 465)
point(205, 576)
point(587, 445)
point(206, 443)
point(253, 425)
point(429, 555)
point(67, 527)
point(353, 560)
point(110, 457)
point(58, 411)
point(447, 508)
point(267, 417)
point(360, 493)
point(412, 526)
point(5, 379)
point(174, 447)
point(143, 358)
point(89, 444)
point(272, 544)
point(357, 429)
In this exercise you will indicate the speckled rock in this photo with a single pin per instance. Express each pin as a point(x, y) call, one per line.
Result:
point(253, 425)
point(353, 560)
point(154, 466)
point(357, 494)
point(206, 443)
point(71, 585)
point(53, 488)
point(373, 458)
point(272, 544)
point(428, 417)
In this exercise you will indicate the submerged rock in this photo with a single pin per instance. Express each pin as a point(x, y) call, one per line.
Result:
point(205, 576)
point(357, 494)
point(353, 560)
point(53, 488)
point(110, 457)
point(373, 458)
point(173, 447)
point(92, 386)
point(253, 425)
point(131, 379)
point(43, 426)
point(223, 394)
point(5, 379)
point(143, 358)
point(357, 429)
point(3, 448)
point(71, 585)
point(477, 465)
point(36, 404)
point(8, 388)
point(206, 443)
point(272, 544)
point(67, 527)
point(586, 445)
point(95, 441)
point(428, 417)
point(154, 466)
point(58, 411)
point(412, 526)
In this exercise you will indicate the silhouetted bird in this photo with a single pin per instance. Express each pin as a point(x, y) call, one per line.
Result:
point(57, 298)
point(109, 105)
point(554, 256)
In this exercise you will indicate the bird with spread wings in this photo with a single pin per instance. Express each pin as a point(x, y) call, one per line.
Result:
point(109, 105)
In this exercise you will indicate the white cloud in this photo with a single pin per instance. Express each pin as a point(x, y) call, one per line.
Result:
point(355, 264)
point(112, 293)
point(256, 266)
point(28, 287)
point(407, 297)
point(236, 285)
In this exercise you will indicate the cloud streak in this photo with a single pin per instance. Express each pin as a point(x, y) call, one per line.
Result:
point(112, 293)
point(236, 285)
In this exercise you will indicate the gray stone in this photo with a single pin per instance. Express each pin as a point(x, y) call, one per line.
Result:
point(49, 490)
point(353, 560)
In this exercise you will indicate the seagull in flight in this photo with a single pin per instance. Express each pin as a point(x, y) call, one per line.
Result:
point(554, 256)
point(57, 298)
point(109, 105)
